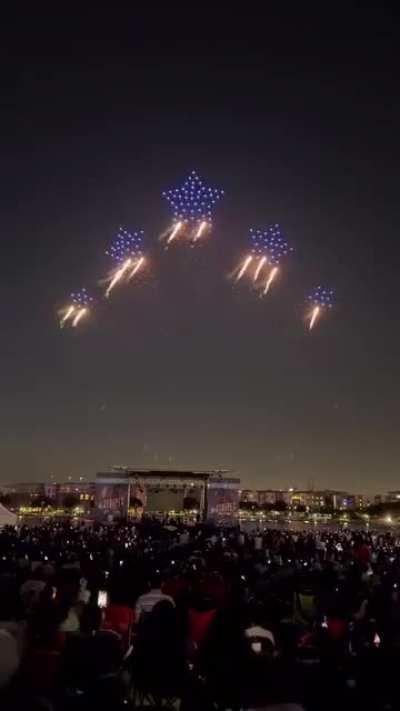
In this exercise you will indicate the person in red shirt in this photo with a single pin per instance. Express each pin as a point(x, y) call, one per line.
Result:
point(362, 552)
point(213, 586)
point(119, 617)
point(200, 617)
point(176, 587)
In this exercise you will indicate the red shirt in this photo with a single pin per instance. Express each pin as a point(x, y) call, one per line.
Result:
point(363, 554)
point(336, 628)
point(175, 588)
point(120, 619)
point(199, 623)
point(213, 586)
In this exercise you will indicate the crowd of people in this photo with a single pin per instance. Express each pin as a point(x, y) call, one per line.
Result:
point(145, 614)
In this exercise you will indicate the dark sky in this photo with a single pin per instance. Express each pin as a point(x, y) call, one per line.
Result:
point(297, 116)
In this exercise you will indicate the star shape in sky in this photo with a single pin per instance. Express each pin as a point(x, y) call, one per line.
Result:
point(322, 297)
point(194, 201)
point(270, 243)
point(125, 245)
point(81, 298)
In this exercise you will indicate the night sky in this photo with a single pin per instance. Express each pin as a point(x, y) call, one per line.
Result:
point(297, 117)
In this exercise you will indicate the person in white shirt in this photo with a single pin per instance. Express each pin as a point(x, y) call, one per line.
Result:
point(146, 602)
point(258, 542)
point(71, 621)
point(84, 594)
point(9, 657)
point(184, 538)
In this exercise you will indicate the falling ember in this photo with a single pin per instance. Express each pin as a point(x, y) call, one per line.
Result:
point(174, 232)
point(118, 275)
point(315, 313)
point(81, 313)
point(67, 315)
point(270, 279)
point(80, 303)
point(321, 299)
point(200, 231)
point(260, 265)
point(245, 265)
point(136, 268)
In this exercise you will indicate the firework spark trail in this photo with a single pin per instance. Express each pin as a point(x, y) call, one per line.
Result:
point(245, 265)
point(269, 242)
point(321, 300)
point(126, 251)
point(174, 232)
point(67, 315)
point(200, 231)
point(268, 247)
point(260, 265)
point(79, 306)
point(315, 313)
point(270, 279)
point(118, 275)
point(81, 313)
point(136, 268)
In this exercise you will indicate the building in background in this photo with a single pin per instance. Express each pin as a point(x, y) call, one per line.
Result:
point(250, 496)
point(213, 495)
point(392, 497)
point(264, 497)
point(307, 499)
point(71, 494)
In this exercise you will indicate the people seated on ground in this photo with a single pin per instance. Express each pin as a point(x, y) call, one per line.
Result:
point(160, 654)
point(66, 594)
point(31, 589)
point(240, 651)
point(90, 665)
point(148, 600)
point(258, 632)
point(201, 614)
point(118, 616)
point(41, 662)
point(84, 594)
point(175, 584)
point(223, 656)
point(9, 658)
point(304, 605)
point(213, 585)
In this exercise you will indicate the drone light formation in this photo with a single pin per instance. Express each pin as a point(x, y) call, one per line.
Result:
point(126, 244)
point(268, 247)
point(192, 205)
point(78, 308)
point(270, 243)
point(126, 251)
point(321, 300)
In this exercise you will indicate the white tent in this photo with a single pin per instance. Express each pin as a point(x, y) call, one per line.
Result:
point(7, 518)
